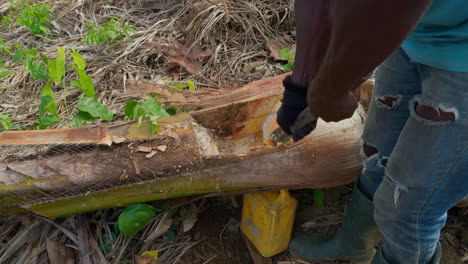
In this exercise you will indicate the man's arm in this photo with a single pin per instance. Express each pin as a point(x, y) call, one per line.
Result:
point(364, 33)
point(312, 37)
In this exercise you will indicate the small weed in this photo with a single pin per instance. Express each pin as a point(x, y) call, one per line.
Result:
point(191, 85)
point(37, 17)
point(180, 85)
point(4, 73)
point(15, 9)
point(148, 108)
point(5, 123)
point(4, 48)
point(113, 30)
point(287, 55)
point(319, 197)
point(48, 109)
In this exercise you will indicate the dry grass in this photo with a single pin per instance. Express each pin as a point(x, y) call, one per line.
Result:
point(235, 33)
point(27, 240)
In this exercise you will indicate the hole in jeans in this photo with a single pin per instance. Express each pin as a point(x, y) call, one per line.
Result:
point(434, 114)
point(369, 150)
point(388, 101)
point(383, 162)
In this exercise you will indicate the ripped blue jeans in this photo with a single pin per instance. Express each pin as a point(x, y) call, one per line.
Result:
point(416, 169)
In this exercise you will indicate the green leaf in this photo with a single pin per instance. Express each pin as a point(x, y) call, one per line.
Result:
point(94, 108)
point(129, 109)
point(191, 85)
point(76, 84)
point(111, 31)
point(47, 90)
point(5, 73)
point(48, 109)
point(79, 60)
point(43, 30)
point(319, 197)
point(5, 121)
point(84, 83)
point(19, 54)
point(48, 105)
point(286, 55)
point(82, 119)
point(155, 95)
point(177, 85)
point(288, 67)
point(4, 48)
point(139, 112)
point(154, 124)
point(134, 218)
point(38, 70)
point(57, 67)
point(153, 108)
point(47, 121)
point(37, 17)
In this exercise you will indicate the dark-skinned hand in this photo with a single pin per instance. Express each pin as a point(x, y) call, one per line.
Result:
point(327, 106)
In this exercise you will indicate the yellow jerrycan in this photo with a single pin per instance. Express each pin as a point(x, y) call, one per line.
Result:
point(267, 220)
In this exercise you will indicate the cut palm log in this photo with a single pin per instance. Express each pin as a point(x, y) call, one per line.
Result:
point(221, 148)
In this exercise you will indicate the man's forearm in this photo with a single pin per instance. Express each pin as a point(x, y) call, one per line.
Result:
point(312, 38)
point(364, 33)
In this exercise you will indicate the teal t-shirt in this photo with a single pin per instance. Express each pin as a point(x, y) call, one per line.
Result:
point(441, 37)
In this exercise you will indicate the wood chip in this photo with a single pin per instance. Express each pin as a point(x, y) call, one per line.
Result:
point(151, 154)
point(144, 149)
point(105, 140)
point(162, 148)
point(137, 167)
point(118, 139)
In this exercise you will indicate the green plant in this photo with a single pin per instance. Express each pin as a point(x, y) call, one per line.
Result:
point(191, 85)
point(54, 71)
point(113, 30)
point(287, 55)
point(319, 197)
point(37, 18)
point(4, 48)
point(15, 8)
point(148, 108)
point(90, 108)
point(4, 73)
point(5, 122)
point(180, 85)
point(34, 62)
point(48, 109)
